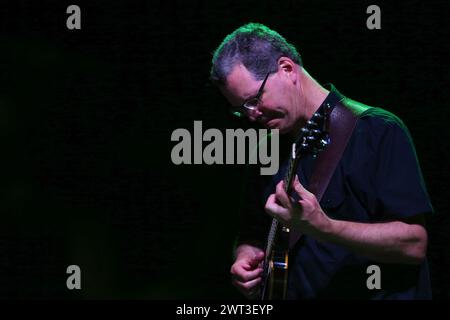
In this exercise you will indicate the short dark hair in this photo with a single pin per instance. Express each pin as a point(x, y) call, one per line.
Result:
point(254, 45)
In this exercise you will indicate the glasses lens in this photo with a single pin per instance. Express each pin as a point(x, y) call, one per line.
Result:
point(252, 104)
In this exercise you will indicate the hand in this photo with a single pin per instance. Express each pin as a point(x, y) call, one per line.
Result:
point(246, 271)
point(306, 215)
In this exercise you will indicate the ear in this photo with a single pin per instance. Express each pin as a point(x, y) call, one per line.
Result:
point(288, 68)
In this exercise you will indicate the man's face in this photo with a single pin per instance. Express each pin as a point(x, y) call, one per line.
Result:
point(277, 106)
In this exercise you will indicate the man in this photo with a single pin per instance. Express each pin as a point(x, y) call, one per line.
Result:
point(372, 212)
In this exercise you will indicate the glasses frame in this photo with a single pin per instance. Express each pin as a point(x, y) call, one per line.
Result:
point(246, 107)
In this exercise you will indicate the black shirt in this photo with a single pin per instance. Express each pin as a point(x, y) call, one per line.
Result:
point(377, 179)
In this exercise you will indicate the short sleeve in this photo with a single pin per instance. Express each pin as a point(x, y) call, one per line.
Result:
point(399, 188)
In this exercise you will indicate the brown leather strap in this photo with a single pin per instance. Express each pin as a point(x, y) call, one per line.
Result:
point(343, 120)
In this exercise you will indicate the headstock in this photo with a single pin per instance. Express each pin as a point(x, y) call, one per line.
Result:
point(314, 136)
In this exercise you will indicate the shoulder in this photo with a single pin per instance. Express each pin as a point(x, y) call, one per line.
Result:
point(374, 119)
point(378, 129)
point(379, 117)
point(378, 124)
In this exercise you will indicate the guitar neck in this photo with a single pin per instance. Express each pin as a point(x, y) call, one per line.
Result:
point(292, 169)
point(288, 178)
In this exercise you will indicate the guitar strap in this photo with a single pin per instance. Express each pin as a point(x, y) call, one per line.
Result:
point(343, 119)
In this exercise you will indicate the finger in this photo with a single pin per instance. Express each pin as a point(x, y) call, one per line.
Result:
point(246, 265)
point(241, 265)
point(252, 294)
point(248, 275)
point(299, 188)
point(282, 196)
point(274, 209)
point(256, 259)
point(247, 287)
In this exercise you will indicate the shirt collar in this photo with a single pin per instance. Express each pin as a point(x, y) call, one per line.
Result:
point(333, 97)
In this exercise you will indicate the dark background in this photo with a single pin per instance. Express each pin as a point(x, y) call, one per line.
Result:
point(86, 118)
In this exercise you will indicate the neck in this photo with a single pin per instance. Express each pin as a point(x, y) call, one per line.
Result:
point(311, 96)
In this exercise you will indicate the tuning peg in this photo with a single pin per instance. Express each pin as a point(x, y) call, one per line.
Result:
point(305, 131)
point(317, 116)
point(311, 123)
point(324, 142)
point(316, 132)
point(305, 145)
point(310, 138)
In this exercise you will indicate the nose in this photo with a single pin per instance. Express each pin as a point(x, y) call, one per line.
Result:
point(254, 115)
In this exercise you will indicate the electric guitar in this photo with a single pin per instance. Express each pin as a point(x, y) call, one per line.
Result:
point(313, 138)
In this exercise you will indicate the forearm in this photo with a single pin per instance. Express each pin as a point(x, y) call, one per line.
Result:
point(390, 242)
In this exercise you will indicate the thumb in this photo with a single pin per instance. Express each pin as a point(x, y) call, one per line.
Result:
point(257, 258)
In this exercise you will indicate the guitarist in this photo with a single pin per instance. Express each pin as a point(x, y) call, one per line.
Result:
point(373, 209)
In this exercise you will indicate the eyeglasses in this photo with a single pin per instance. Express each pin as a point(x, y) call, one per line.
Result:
point(251, 104)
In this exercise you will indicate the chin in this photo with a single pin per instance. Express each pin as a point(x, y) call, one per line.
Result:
point(283, 127)
point(274, 124)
